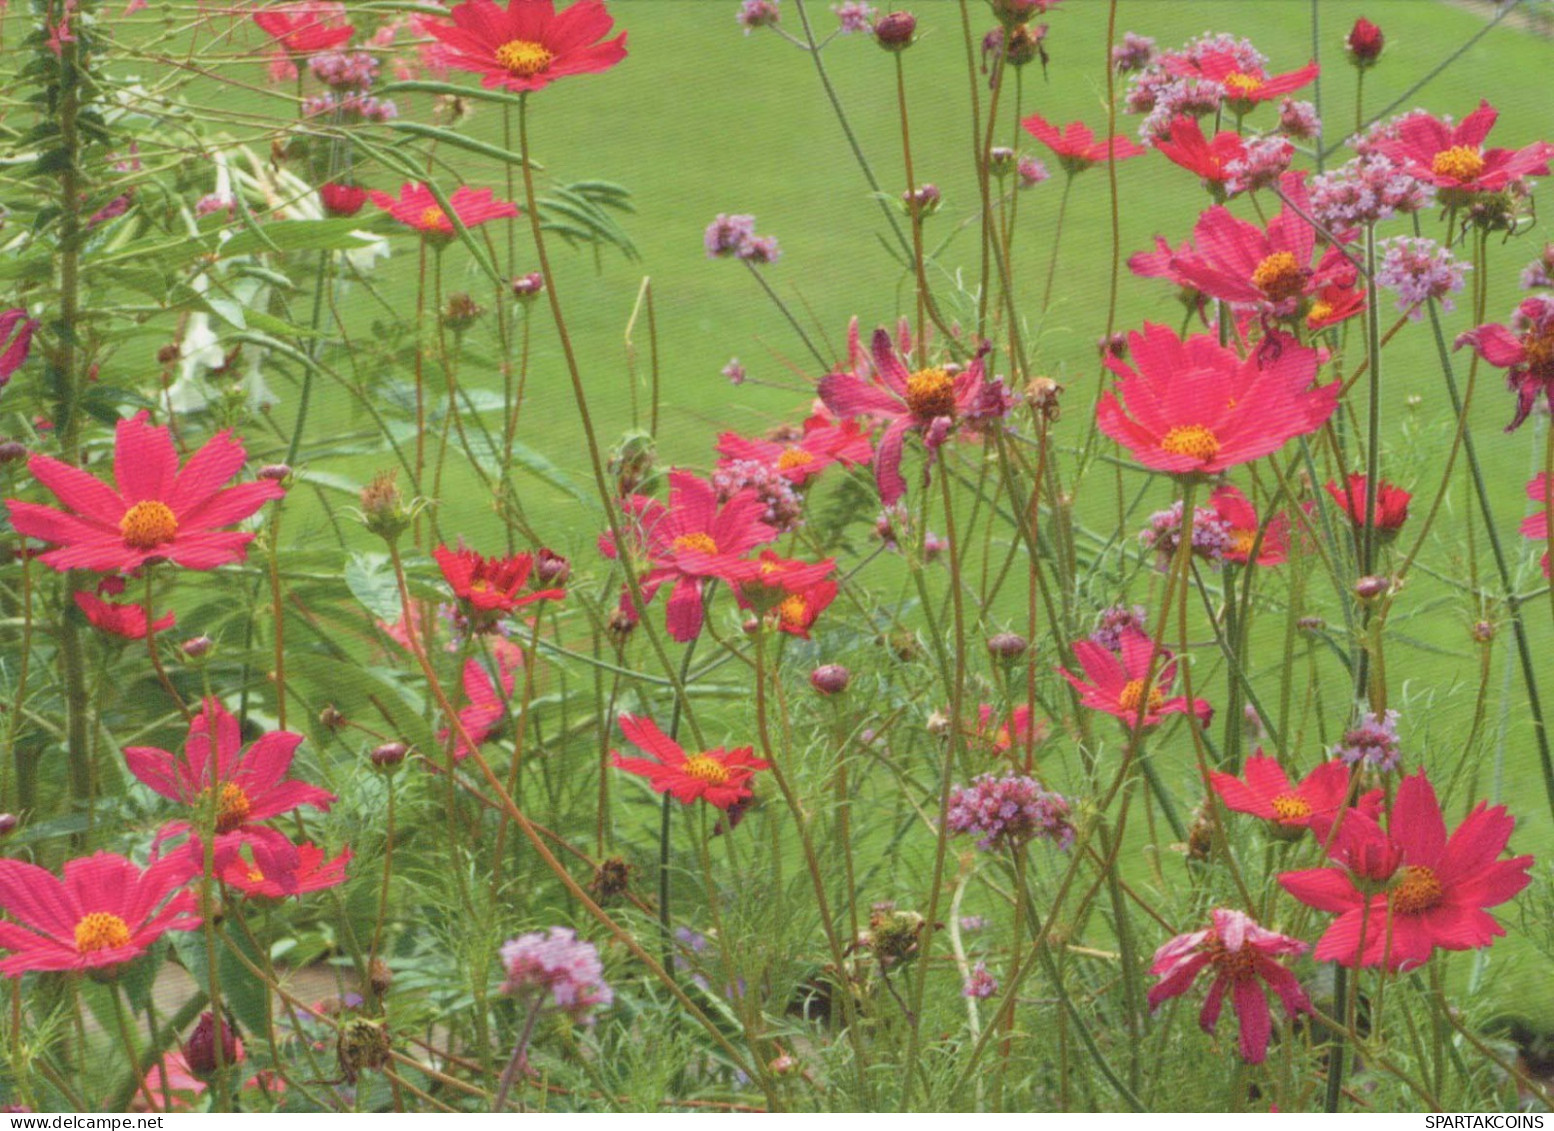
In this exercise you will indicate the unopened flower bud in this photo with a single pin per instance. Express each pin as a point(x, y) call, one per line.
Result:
point(1112, 345)
point(1012, 13)
point(9, 822)
point(201, 1048)
point(938, 724)
point(830, 679)
point(527, 287)
point(383, 507)
point(1023, 44)
point(1007, 645)
point(783, 1065)
point(275, 472)
point(341, 200)
point(330, 718)
point(12, 451)
point(1370, 588)
point(1483, 632)
point(1364, 43)
point(551, 568)
point(389, 755)
point(1000, 160)
point(895, 31)
point(197, 647)
point(924, 201)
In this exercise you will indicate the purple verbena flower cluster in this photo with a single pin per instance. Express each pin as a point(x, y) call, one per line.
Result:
point(1008, 812)
point(1374, 742)
point(1419, 270)
point(557, 963)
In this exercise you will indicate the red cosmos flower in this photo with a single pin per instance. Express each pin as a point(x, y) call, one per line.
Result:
point(1391, 503)
point(157, 513)
point(417, 208)
point(1239, 517)
point(1436, 897)
point(490, 588)
point(15, 322)
point(1188, 148)
point(1333, 304)
point(1268, 794)
point(1241, 954)
point(1455, 160)
point(529, 46)
point(273, 876)
point(341, 200)
point(1116, 682)
point(908, 401)
point(1269, 271)
point(688, 542)
point(1196, 407)
point(718, 776)
point(791, 594)
point(251, 786)
point(1243, 89)
point(1525, 349)
point(1157, 265)
point(823, 443)
point(128, 621)
point(1013, 733)
point(302, 29)
point(1537, 525)
point(485, 712)
point(1075, 145)
point(106, 911)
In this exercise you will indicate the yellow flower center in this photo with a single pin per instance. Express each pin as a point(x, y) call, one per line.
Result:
point(232, 806)
point(1290, 807)
point(1279, 277)
point(1320, 312)
point(1132, 695)
point(1464, 162)
point(696, 541)
point(255, 876)
point(1242, 541)
point(101, 930)
point(434, 219)
point(793, 610)
point(794, 457)
point(148, 524)
point(1239, 84)
point(704, 767)
point(931, 393)
point(1191, 440)
point(1418, 890)
point(524, 57)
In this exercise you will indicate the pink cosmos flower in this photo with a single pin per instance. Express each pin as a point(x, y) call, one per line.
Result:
point(104, 912)
point(1244, 958)
point(1437, 895)
point(719, 777)
point(417, 208)
point(530, 45)
point(1196, 407)
point(821, 444)
point(689, 542)
point(1244, 86)
point(1269, 271)
point(1525, 350)
point(157, 512)
point(1115, 683)
point(1075, 145)
point(128, 621)
point(1189, 148)
point(251, 785)
point(273, 876)
point(1013, 733)
point(1242, 526)
point(1268, 794)
point(1455, 160)
point(1536, 525)
point(485, 710)
point(927, 401)
point(302, 29)
point(16, 329)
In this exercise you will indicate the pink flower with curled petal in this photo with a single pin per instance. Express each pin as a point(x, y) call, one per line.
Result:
point(1525, 350)
point(1075, 144)
point(1210, 159)
point(105, 911)
point(157, 513)
point(927, 401)
point(528, 46)
point(1115, 681)
point(1435, 899)
point(1196, 408)
point(1244, 958)
point(689, 542)
point(1454, 158)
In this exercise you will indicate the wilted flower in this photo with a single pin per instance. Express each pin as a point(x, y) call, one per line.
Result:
point(1032, 172)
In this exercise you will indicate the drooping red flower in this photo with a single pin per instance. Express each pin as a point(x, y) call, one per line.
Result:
point(157, 512)
point(691, 540)
point(490, 588)
point(1525, 349)
point(1244, 87)
point(927, 401)
point(1536, 525)
point(1115, 683)
point(341, 200)
point(1195, 407)
point(530, 45)
point(128, 621)
point(1270, 271)
point(305, 28)
point(272, 876)
point(1188, 148)
point(1075, 145)
point(16, 329)
point(718, 776)
point(1436, 897)
point(1454, 158)
point(1244, 958)
point(104, 912)
point(250, 785)
point(1013, 732)
point(1235, 510)
point(485, 710)
point(417, 208)
point(1391, 504)
point(1268, 794)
